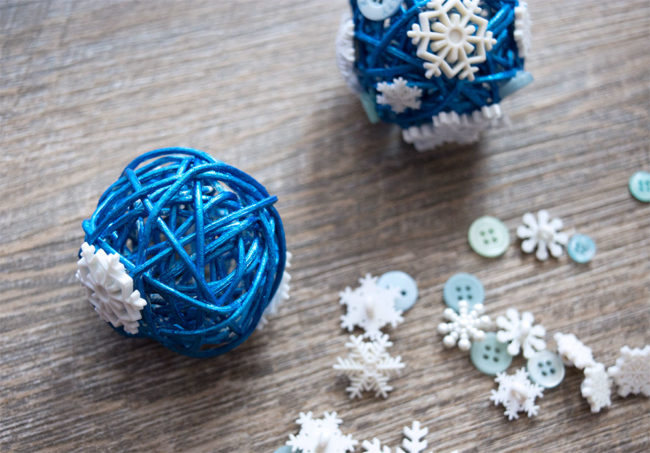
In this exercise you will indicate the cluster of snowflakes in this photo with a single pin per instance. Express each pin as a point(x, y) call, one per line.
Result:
point(325, 436)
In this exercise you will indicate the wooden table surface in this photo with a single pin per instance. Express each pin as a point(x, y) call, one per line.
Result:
point(85, 86)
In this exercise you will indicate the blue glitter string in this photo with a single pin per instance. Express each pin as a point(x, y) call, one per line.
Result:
point(386, 52)
point(203, 243)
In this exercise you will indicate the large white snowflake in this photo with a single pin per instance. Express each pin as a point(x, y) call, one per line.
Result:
point(521, 333)
point(632, 371)
point(398, 95)
point(517, 394)
point(370, 307)
point(369, 366)
point(543, 233)
point(522, 33)
point(465, 326)
point(280, 295)
point(596, 387)
point(573, 350)
point(413, 441)
point(320, 435)
point(110, 288)
point(345, 53)
point(450, 127)
point(452, 37)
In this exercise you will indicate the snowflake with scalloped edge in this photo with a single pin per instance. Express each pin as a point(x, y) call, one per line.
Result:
point(517, 394)
point(369, 366)
point(573, 350)
point(281, 294)
point(320, 435)
point(452, 38)
point(543, 233)
point(632, 371)
point(596, 388)
point(522, 34)
point(465, 326)
point(450, 127)
point(521, 333)
point(110, 288)
point(398, 95)
point(370, 307)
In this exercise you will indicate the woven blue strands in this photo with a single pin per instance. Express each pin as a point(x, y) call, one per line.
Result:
point(203, 243)
point(384, 52)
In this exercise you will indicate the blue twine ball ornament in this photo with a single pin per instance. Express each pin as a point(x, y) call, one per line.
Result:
point(201, 241)
point(436, 68)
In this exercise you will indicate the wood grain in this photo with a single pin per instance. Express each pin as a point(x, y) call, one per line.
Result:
point(85, 86)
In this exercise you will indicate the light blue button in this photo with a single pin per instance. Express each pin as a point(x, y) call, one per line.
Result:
point(490, 356)
point(285, 449)
point(369, 106)
point(640, 186)
point(519, 81)
point(408, 289)
point(546, 369)
point(378, 9)
point(463, 287)
point(581, 248)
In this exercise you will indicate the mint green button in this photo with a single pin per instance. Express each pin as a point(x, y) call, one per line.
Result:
point(489, 237)
point(640, 186)
point(490, 356)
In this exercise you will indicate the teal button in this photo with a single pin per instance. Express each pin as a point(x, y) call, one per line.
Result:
point(408, 289)
point(640, 186)
point(581, 248)
point(369, 106)
point(519, 81)
point(378, 9)
point(285, 449)
point(489, 237)
point(490, 356)
point(463, 287)
point(546, 369)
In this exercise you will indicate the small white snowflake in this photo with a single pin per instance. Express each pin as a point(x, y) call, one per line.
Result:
point(573, 350)
point(521, 333)
point(345, 53)
point(281, 294)
point(596, 387)
point(517, 394)
point(450, 127)
point(542, 233)
point(632, 371)
point(452, 38)
point(465, 326)
point(110, 288)
point(320, 435)
point(369, 366)
point(522, 33)
point(370, 307)
point(413, 441)
point(398, 95)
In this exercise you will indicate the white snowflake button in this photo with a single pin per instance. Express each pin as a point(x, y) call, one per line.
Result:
point(320, 435)
point(517, 394)
point(452, 37)
point(465, 326)
point(370, 306)
point(632, 371)
point(573, 350)
point(542, 233)
point(369, 366)
point(596, 387)
point(110, 288)
point(413, 442)
point(398, 95)
point(521, 333)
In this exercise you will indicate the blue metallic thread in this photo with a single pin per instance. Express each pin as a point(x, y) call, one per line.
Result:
point(383, 54)
point(203, 243)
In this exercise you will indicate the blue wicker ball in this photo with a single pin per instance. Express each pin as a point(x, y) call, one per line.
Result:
point(437, 68)
point(201, 242)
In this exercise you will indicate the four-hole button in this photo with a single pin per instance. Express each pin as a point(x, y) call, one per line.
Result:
point(463, 287)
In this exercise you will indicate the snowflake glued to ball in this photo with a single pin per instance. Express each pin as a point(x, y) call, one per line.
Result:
point(413, 61)
point(185, 250)
point(369, 366)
